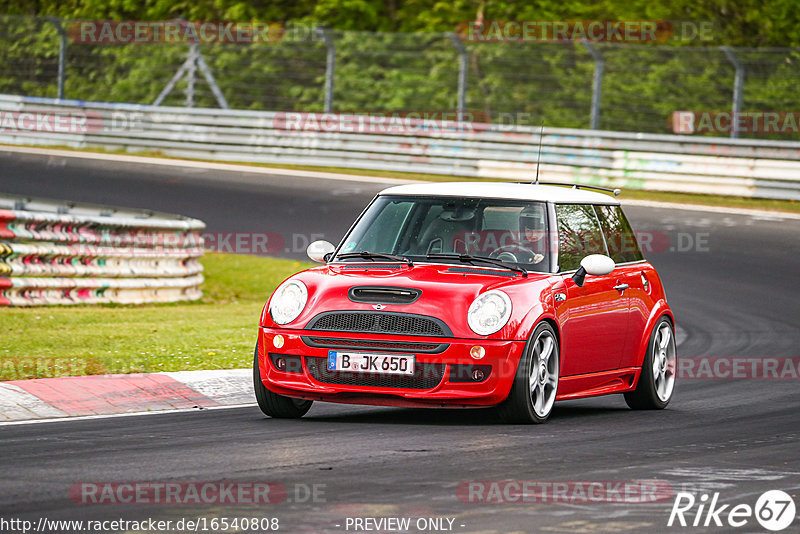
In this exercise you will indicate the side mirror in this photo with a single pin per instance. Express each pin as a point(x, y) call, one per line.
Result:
point(319, 251)
point(594, 264)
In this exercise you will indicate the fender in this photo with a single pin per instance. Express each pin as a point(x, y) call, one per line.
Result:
point(532, 319)
point(660, 309)
point(539, 312)
point(543, 308)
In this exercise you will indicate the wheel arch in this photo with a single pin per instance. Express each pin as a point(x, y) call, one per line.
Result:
point(556, 329)
point(542, 318)
point(660, 310)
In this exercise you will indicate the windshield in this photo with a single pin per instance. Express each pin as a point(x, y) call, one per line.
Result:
point(512, 231)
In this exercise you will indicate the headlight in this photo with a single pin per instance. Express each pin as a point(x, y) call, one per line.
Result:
point(489, 312)
point(288, 301)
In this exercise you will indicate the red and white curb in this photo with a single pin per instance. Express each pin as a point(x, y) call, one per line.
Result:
point(102, 395)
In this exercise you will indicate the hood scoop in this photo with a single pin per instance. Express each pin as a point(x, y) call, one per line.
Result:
point(383, 294)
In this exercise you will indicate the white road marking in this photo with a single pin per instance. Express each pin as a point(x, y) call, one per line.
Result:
point(229, 386)
point(131, 414)
point(206, 165)
point(17, 404)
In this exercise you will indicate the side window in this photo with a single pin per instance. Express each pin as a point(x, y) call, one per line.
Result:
point(622, 245)
point(578, 235)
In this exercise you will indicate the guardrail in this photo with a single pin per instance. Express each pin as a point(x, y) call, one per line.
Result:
point(708, 165)
point(63, 253)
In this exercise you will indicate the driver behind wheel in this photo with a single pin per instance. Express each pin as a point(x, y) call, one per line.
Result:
point(532, 230)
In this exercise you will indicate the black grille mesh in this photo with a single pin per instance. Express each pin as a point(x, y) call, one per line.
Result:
point(426, 376)
point(379, 323)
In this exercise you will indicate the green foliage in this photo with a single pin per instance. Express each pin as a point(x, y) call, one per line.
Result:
point(738, 22)
point(397, 70)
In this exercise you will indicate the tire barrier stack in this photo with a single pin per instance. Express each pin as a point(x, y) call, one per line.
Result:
point(56, 253)
point(678, 163)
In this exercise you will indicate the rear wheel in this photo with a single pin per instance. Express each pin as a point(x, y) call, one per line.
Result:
point(657, 379)
point(536, 383)
point(275, 405)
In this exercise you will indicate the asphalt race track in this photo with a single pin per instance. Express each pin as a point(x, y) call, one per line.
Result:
point(734, 295)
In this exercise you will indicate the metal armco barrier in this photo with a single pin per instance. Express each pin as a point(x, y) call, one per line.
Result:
point(63, 253)
point(708, 165)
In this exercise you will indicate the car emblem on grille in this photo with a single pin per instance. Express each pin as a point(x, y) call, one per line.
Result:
point(378, 306)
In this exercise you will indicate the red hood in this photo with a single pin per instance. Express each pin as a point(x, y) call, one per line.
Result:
point(445, 295)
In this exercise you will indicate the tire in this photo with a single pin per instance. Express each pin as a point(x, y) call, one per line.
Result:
point(657, 378)
point(533, 394)
point(275, 405)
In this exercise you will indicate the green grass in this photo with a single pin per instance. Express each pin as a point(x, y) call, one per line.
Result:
point(218, 332)
point(791, 206)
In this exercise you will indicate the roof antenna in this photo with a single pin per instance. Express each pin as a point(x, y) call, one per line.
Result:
point(539, 156)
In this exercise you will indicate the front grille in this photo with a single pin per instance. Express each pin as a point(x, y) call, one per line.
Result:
point(426, 376)
point(380, 323)
point(401, 346)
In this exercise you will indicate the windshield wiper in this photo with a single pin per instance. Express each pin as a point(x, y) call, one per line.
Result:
point(468, 258)
point(367, 255)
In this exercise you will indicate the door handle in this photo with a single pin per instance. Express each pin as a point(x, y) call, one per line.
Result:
point(621, 287)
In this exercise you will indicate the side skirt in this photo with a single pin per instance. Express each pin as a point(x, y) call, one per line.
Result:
point(596, 384)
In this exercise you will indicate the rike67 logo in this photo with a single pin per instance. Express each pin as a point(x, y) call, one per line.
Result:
point(774, 510)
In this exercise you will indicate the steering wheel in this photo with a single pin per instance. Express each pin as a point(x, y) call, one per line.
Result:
point(516, 254)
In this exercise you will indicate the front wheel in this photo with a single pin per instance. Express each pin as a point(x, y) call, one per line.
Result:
point(536, 382)
point(657, 378)
point(275, 405)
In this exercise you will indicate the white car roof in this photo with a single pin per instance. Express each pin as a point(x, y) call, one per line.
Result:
point(503, 190)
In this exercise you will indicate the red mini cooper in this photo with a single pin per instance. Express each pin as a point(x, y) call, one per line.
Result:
point(466, 295)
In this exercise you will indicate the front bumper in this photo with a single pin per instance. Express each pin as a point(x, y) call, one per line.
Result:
point(444, 379)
